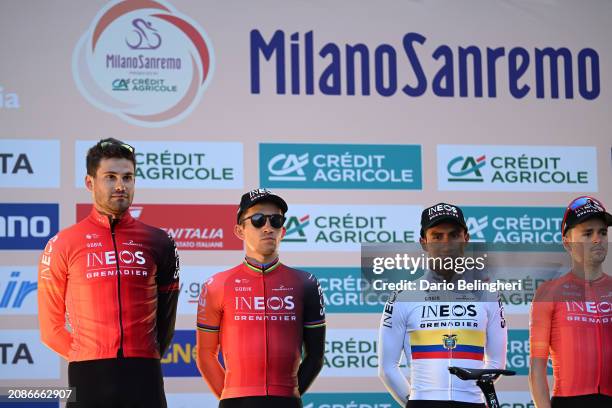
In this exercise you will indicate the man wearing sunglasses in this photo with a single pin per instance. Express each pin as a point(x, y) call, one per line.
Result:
point(571, 317)
point(267, 319)
point(114, 282)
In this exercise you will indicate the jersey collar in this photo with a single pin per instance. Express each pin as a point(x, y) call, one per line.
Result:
point(261, 268)
point(104, 220)
point(577, 279)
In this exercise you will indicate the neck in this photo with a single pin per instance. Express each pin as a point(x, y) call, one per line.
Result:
point(261, 259)
point(447, 275)
point(587, 272)
point(113, 216)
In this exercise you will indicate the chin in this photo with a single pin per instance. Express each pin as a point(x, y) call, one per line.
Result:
point(267, 251)
point(120, 208)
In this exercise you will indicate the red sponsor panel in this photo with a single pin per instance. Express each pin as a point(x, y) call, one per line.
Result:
point(192, 226)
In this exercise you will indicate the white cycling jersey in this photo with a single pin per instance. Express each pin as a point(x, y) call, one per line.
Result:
point(463, 330)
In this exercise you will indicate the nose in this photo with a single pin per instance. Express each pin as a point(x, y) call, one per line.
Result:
point(597, 237)
point(267, 226)
point(120, 184)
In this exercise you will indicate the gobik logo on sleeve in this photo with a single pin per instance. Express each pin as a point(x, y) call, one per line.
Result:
point(143, 61)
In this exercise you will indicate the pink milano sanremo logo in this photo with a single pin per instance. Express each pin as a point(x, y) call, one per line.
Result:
point(143, 61)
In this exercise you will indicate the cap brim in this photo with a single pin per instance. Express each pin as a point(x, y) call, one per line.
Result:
point(271, 198)
point(443, 219)
point(606, 217)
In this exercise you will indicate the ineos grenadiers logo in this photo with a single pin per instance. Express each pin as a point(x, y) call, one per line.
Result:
point(144, 62)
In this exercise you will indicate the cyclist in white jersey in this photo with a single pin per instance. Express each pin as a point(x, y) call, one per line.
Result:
point(439, 329)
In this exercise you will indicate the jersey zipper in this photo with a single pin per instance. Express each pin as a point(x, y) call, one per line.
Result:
point(263, 280)
point(449, 361)
point(598, 324)
point(112, 228)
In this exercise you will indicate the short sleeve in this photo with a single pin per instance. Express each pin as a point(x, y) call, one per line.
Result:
point(210, 305)
point(314, 303)
point(540, 323)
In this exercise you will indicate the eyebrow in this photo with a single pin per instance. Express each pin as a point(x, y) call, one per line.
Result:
point(452, 231)
point(114, 172)
point(593, 229)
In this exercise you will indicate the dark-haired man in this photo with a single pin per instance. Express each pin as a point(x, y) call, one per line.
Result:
point(262, 314)
point(108, 290)
point(438, 329)
point(571, 318)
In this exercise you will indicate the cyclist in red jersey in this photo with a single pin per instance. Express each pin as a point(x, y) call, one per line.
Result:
point(571, 317)
point(262, 315)
point(114, 281)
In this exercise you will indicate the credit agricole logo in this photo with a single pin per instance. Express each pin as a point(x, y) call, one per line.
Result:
point(466, 169)
point(517, 168)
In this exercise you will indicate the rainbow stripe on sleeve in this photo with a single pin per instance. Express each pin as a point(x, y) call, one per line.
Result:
point(312, 325)
point(207, 328)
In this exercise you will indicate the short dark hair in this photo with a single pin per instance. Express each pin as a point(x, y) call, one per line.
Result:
point(107, 149)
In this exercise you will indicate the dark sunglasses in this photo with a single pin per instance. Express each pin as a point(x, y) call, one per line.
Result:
point(122, 145)
point(258, 220)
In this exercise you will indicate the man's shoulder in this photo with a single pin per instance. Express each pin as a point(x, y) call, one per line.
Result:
point(300, 274)
point(548, 290)
point(219, 278)
point(155, 232)
point(399, 299)
point(75, 234)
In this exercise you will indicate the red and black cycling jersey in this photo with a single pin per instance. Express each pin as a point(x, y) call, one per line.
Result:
point(260, 314)
point(116, 284)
